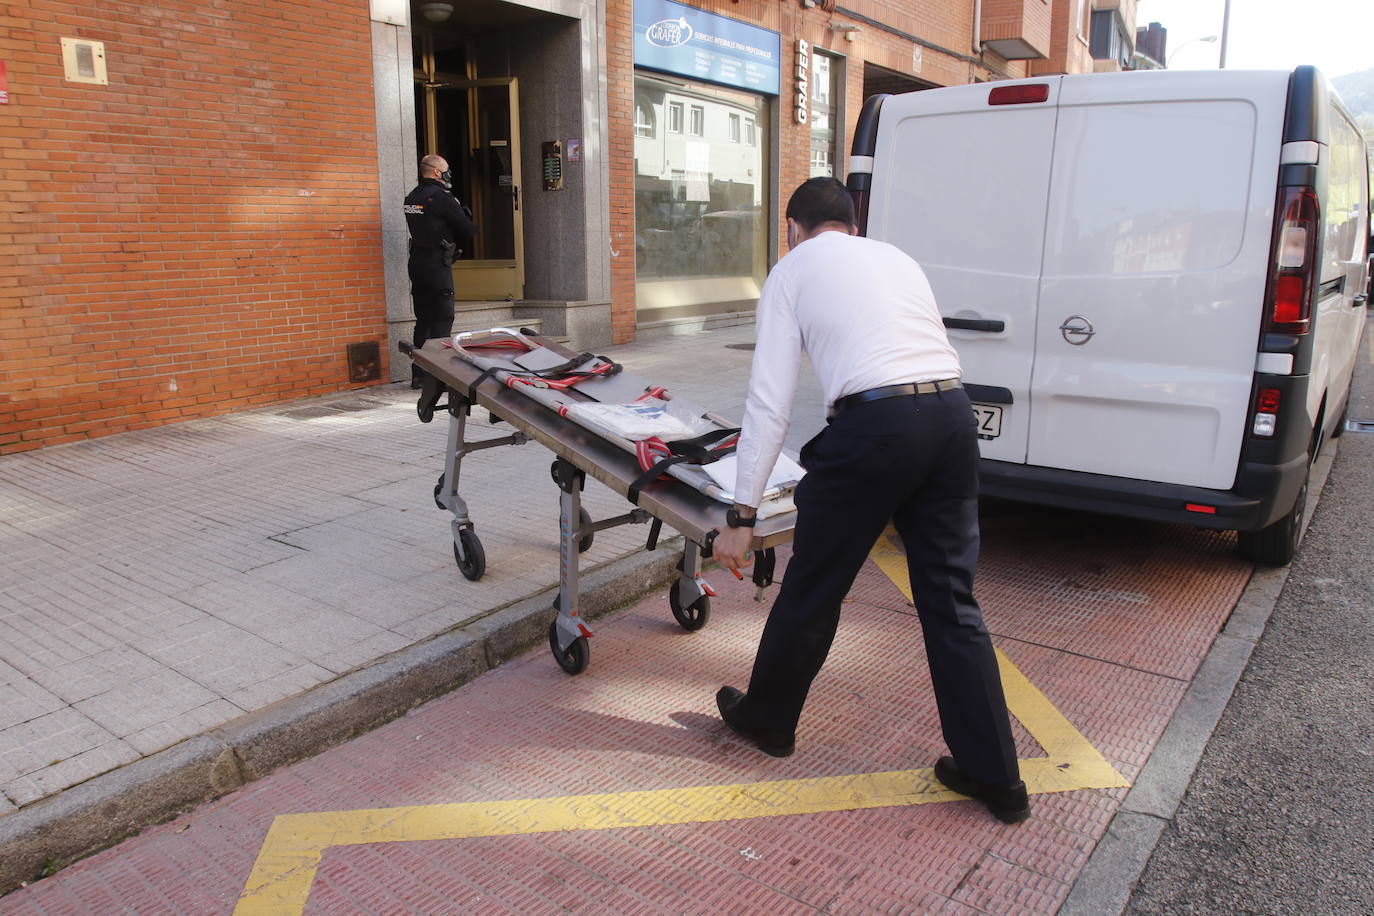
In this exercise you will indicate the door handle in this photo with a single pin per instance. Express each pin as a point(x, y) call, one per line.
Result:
point(515, 193)
point(993, 325)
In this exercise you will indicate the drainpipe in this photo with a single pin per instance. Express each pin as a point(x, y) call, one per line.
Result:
point(977, 25)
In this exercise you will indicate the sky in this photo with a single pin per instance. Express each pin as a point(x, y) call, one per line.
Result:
point(1336, 36)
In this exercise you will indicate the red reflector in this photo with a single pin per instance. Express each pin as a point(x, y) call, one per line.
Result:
point(1288, 299)
point(1268, 401)
point(1019, 95)
point(584, 631)
point(1205, 510)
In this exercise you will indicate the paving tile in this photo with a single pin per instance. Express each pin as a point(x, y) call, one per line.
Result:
point(192, 722)
point(48, 740)
point(144, 701)
point(96, 674)
point(22, 698)
point(346, 658)
point(68, 772)
point(288, 682)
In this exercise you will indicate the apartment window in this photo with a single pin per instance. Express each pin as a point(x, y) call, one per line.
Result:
point(675, 117)
point(698, 121)
point(750, 136)
point(644, 119)
point(735, 134)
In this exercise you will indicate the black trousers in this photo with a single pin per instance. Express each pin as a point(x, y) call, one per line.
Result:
point(911, 460)
point(431, 292)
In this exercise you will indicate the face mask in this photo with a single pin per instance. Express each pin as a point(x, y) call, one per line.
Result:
point(446, 177)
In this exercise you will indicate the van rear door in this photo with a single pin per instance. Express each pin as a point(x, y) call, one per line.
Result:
point(1157, 244)
point(960, 182)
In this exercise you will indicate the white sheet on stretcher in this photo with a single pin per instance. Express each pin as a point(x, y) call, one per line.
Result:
point(785, 471)
point(642, 420)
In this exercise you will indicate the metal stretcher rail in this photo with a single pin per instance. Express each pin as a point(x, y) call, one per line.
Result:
point(578, 453)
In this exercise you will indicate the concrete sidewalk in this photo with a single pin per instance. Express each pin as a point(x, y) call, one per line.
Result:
point(221, 578)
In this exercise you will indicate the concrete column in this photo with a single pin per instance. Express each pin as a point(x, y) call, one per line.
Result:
point(397, 158)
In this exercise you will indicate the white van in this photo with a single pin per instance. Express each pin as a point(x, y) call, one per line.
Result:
point(1154, 280)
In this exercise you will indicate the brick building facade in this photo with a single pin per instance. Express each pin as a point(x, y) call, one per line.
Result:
point(217, 225)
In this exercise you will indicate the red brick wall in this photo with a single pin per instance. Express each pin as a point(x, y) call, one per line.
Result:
point(620, 103)
point(202, 234)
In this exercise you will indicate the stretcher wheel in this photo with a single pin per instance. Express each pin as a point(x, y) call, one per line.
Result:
point(573, 661)
point(439, 488)
point(692, 617)
point(476, 558)
point(584, 518)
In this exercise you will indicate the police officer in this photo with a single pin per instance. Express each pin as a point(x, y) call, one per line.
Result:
point(438, 225)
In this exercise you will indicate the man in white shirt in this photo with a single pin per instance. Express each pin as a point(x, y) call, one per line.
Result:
point(900, 446)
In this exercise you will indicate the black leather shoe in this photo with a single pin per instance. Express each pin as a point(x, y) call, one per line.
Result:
point(773, 743)
point(416, 383)
point(1009, 804)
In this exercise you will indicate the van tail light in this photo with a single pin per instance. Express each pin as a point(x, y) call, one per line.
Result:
point(1023, 94)
point(1266, 412)
point(1294, 267)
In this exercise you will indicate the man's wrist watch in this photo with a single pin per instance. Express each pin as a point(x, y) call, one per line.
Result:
point(734, 520)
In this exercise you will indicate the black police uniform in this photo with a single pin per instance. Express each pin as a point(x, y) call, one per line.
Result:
point(438, 227)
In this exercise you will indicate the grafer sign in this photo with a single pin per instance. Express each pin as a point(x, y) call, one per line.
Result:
point(681, 39)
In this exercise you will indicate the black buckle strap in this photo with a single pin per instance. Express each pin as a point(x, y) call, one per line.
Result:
point(699, 448)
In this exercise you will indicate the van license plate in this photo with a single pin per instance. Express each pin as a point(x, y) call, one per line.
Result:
point(989, 420)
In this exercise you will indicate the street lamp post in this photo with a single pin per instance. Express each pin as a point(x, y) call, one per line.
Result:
point(1207, 38)
point(1225, 30)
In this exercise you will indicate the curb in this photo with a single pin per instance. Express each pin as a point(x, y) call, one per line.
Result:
point(1106, 881)
point(49, 834)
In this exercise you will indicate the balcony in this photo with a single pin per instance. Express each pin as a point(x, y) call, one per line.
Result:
point(1016, 29)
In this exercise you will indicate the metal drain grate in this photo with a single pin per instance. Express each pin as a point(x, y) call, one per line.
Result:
point(1359, 426)
point(743, 346)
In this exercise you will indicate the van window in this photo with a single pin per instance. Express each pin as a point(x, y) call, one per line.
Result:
point(1344, 196)
point(1152, 187)
point(978, 198)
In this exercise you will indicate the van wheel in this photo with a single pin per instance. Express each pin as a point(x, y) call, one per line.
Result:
point(1276, 545)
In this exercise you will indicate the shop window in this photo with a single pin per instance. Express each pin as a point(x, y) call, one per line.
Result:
point(824, 114)
point(701, 202)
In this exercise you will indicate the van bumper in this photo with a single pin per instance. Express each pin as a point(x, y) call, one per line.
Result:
point(1263, 493)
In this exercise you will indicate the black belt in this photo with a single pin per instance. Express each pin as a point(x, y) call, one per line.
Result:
point(893, 391)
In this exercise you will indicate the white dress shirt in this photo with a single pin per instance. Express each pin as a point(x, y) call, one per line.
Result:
point(864, 313)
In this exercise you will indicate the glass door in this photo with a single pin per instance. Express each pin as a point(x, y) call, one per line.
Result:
point(474, 124)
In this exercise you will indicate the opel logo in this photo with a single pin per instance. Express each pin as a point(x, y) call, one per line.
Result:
point(1077, 330)
point(669, 33)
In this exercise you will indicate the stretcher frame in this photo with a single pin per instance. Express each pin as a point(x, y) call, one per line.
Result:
point(578, 453)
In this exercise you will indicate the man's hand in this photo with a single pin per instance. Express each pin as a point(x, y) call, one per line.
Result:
point(731, 547)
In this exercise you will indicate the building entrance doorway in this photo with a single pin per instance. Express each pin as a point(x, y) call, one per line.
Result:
point(474, 124)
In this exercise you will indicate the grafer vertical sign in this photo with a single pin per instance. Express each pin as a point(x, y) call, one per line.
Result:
point(803, 80)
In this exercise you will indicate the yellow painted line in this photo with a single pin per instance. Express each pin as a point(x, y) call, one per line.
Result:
point(279, 884)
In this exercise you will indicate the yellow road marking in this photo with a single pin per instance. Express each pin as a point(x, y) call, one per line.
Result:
point(279, 884)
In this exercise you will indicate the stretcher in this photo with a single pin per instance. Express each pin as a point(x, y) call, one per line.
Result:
point(577, 405)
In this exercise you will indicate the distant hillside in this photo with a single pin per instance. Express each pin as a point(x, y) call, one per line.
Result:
point(1357, 91)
